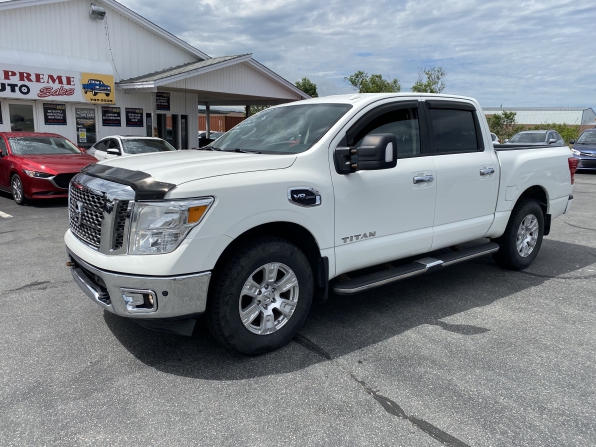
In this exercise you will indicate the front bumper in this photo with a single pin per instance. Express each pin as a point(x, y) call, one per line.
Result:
point(142, 297)
point(585, 162)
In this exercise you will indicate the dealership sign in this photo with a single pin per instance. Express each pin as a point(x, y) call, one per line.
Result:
point(22, 82)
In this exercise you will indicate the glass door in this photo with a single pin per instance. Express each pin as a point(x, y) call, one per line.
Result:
point(21, 117)
point(86, 127)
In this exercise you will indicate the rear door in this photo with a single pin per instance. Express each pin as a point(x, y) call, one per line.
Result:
point(467, 171)
point(384, 215)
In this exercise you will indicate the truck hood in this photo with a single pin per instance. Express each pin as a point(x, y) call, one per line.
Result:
point(184, 166)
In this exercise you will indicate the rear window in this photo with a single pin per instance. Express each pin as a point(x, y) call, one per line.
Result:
point(143, 146)
point(528, 138)
point(42, 146)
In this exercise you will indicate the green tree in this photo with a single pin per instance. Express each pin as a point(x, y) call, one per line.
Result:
point(430, 80)
point(375, 83)
point(504, 124)
point(308, 87)
point(257, 109)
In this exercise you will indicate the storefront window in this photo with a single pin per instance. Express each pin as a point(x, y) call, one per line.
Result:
point(21, 118)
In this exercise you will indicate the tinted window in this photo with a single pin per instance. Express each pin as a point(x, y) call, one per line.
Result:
point(42, 145)
point(283, 130)
point(102, 146)
point(403, 123)
point(113, 144)
point(454, 130)
point(3, 150)
point(143, 146)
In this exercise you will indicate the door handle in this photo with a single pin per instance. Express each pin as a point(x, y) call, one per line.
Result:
point(487, 171)
point(424, 179)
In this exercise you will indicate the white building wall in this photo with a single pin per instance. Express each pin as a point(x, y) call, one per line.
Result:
point(65, 28)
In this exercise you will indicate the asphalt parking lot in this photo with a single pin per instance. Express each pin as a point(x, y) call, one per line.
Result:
point(471, 355)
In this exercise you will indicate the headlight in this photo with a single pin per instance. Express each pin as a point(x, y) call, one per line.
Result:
point(36, 174)
point(575, 152)
point(159, 227)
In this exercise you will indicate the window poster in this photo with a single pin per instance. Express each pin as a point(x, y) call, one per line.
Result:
point(162, 101)
point(134, 117)
point(54, 114)
point(111, 117)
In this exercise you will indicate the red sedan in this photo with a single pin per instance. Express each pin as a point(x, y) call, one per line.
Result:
point(38, 165)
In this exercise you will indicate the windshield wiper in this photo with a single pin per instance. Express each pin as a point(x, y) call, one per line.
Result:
point(244, 151)
point(209, 148)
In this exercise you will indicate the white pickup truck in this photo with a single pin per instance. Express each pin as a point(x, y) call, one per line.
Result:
point(301, 198)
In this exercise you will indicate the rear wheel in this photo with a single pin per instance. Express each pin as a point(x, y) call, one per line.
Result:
point(261, 296)
point(522, 239)
point(18, 194)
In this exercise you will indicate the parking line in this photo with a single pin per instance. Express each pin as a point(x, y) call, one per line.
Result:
point(6, 216)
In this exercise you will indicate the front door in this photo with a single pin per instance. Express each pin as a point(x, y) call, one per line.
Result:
point(386, 214)
point(467, 172)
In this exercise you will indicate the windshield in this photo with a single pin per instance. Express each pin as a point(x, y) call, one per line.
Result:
point(283, 130)
point(143, 146)
point(536, 137)
point(587, 138)
point(42, 146)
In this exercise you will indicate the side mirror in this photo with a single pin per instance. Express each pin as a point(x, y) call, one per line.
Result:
point(113, 151)
point(377, 151)
point(571, 141)
point(552, 140)
point(507, 140)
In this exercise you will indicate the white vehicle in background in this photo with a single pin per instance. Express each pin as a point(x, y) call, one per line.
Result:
point(276, 211)
point(118, 145)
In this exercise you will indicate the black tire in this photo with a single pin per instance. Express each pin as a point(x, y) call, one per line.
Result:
point(223, 313)
point(16, 186)
point(107, 95)
point(94, 93)
point(508, 255)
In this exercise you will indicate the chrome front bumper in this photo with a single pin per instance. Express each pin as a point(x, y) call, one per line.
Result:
point(143, 297)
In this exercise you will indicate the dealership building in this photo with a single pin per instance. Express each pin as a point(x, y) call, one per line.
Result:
point(87, 70)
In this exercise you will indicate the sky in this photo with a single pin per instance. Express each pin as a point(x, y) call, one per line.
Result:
point(518, 53)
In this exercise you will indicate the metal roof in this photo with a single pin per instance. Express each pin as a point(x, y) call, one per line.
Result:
point(189, 68)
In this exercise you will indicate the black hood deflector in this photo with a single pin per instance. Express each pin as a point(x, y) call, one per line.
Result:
point(145, 186)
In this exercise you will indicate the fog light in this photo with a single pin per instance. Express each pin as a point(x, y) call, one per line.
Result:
point(139, 301)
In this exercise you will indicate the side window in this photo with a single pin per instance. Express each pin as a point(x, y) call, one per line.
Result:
point(3, 149)
point(403, 123)
point(101, 146)
point(454, 131)
point(113, 144)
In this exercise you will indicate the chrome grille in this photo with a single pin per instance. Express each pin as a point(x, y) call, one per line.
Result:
point(86, 225)
point(120, 224)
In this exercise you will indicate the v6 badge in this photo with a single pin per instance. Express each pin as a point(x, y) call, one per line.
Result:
point(304, 197)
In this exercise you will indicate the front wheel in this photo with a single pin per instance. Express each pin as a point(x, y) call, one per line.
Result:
point(261, 296)
point(522, 239)
point(18, 194)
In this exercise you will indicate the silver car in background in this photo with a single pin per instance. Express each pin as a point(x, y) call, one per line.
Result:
point(537, 138)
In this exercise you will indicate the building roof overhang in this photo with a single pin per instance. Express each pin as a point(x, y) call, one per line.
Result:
point(165, 78)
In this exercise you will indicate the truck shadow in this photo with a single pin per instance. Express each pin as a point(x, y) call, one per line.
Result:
point(344, 325)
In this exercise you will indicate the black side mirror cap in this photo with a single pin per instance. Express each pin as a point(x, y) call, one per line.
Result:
point(571, 141)
point(377, 151)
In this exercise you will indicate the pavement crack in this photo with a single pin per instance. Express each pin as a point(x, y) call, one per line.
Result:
point(583, 228)
point(538, 275)
point(27, 286)
point(312, 346)
point(462, 329)
point(388, 405)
